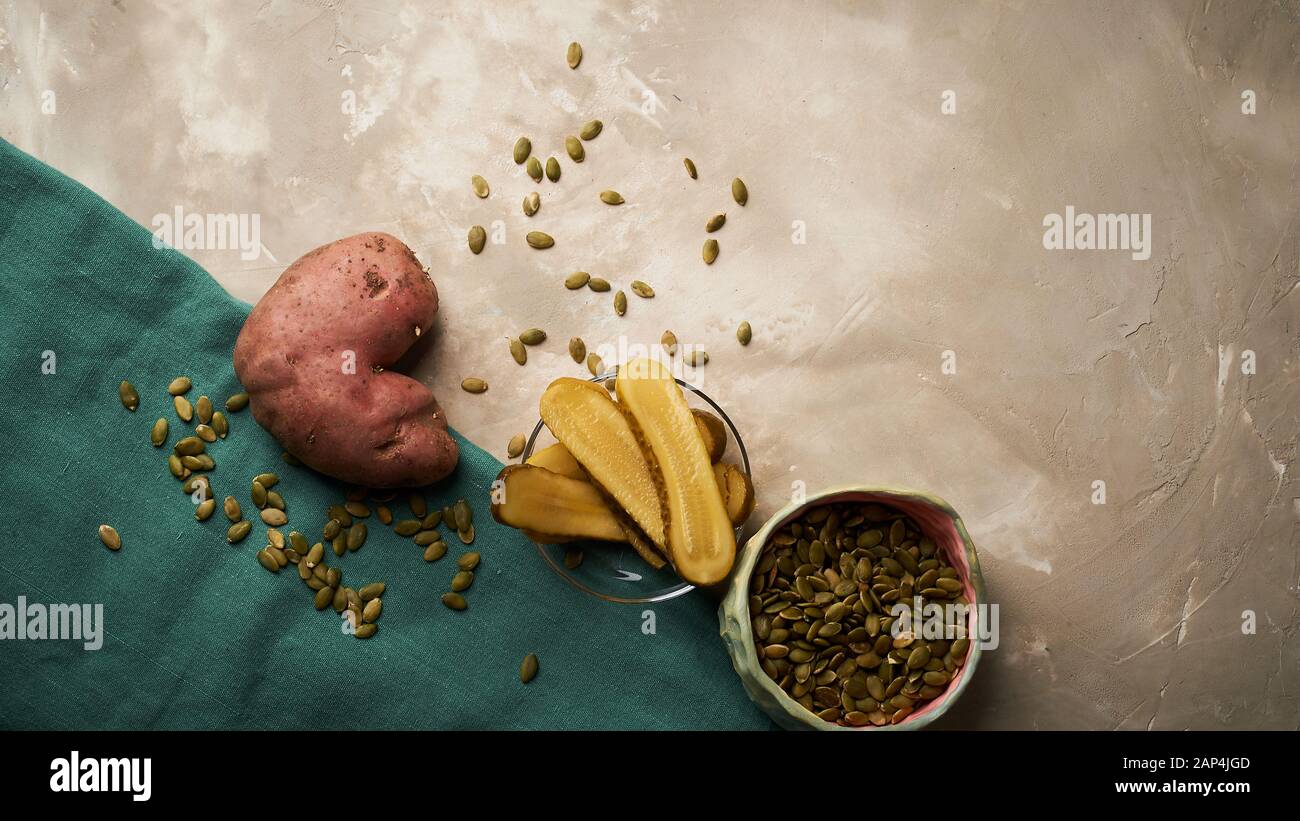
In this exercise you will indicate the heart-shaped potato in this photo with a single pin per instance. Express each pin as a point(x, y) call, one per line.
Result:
point(314, 355)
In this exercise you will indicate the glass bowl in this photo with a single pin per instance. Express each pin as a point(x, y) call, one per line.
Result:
point(612, 571)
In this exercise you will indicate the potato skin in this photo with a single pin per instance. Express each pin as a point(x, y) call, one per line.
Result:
point(367, 295)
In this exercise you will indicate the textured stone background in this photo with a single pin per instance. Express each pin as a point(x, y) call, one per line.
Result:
point(924, 234)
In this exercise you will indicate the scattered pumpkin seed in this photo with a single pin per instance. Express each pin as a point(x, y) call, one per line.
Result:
point(324, 597)
point(620, 303)
point(697, 358)
point(611, 197)
point(158, 436)
point(427, 537)
point(417, 504)
point(715, 222)
point(642, 289)
point(473, 384)
point(372, 591)
point(179, 385)
point(518, 351)
point(574, 146)
point(174, 465)
point(268, 561)
point(532, 203)
point(365, 631)
point(127, 393)
point(534, 169)
point(574, 55)
point(690, 168)
point(231, 507)
point(464, 515)
point(477, 239)
point(274, 500)
point(598, 285)
point(455, 601)
point(595, 365)
point(435, 551)
point(466, 536)
point(462, 581)
point(183, 408)
point(268, 480)
point(552, 169)
point(480, 185)
point(528, 668)
point(468, 561)
point(744, 333)
point(577, 349)
point(220, 424)
point(407, 527)
point(669, 341)
point(591, 130)
point(189, 446)
point(515, 446)
point(373, 609)
point(533, 336)
point(739, 192)
point(356, 536)
point(432, 520)
point(538, 239)
point(710, 251)
point(205, 432)
point(523, 147)
point(203, 409)
point(238, 531)
point(237, 402)
point(274, 517)
point(576, 280)
point(108, 535)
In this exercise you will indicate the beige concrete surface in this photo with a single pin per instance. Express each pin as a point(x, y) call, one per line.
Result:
point(923, 231)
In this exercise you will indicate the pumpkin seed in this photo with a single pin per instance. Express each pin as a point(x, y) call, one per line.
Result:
point(642, 289)
point(268, 561)
point(455, 601)
point(158, 435)
point(384, 514)
point(189, 446)
point(108, 535)
point(574, 146)
point(128, 395)
point(340, 599)
point(591, 130)
point(372, 611)
point(523, 147)
point(532, 204)
point(324, 597)
point(231, 507)
point(220, 424)
point(533, 336)
point(528, 668)
point(175, 466)
point(462, 581)
point(372, 591)
point(739, 192)
point(577, 349)
point(464, 515)
point(468, 561)
point(598, 285)
point(537, 239)
point(574, 55)
point(669, 341)
point(432, 520)
point(356, 536)
point(690, 168)
point(576, 280)
point(534, 169)
point(466, 535)
point(697, 358)
point(179, 385)
point(238, 531)
point(595, 364)
point(710, 251)
point(611, 197)
point(518, 352)
point(203, 409)
point(744, 333)
point(275, 537)
point(183, 408)
point(620, 303)
point(477, 239)
point(365, 631)
point(407, 527)
point(480, 186)
point(274, 517)
point(435, 551)
point(552, 169)
point(715, 222)
point(237, 402)
point(515, 446)
point(205, 432)
point(473, 384)
point(427, 537)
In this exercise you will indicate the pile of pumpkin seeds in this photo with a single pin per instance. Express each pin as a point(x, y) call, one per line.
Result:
point(820, 601)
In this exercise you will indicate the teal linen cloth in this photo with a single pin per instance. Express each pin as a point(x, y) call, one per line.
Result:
point(196, 634)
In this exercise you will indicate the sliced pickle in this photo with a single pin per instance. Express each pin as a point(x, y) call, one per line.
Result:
point(713, 432)
point(599, 436)
point(538, 500)
point(737, 492)
point(700, 537)
point(557, 459)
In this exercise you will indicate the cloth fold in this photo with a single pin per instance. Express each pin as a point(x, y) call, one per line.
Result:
point(196, 634)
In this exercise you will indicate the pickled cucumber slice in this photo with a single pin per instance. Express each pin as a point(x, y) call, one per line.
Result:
point(737, 492)
point(700, 537)
point(536, 499)
point(557, 459)
point(713, 432)
point(599, 436)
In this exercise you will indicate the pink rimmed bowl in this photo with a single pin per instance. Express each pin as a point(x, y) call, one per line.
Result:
point(936, 518)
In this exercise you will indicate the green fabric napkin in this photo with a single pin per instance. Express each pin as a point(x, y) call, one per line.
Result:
point(196, 634)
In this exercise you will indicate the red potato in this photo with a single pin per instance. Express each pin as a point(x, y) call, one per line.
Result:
point(314, 355)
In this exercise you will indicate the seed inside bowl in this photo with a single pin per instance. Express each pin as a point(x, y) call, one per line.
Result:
point(823, 607)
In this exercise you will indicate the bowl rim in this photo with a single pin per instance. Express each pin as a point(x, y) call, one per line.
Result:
point(742, 650)
point(682, 587)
